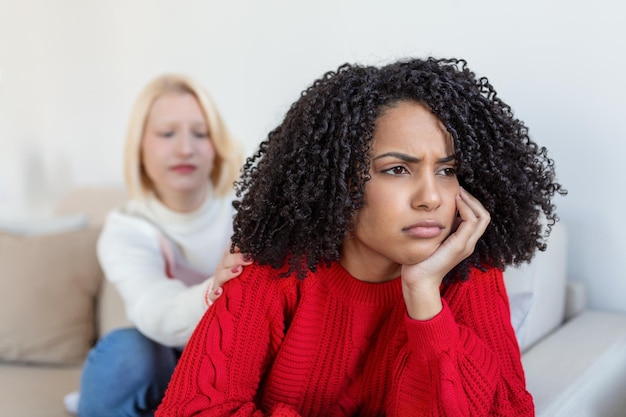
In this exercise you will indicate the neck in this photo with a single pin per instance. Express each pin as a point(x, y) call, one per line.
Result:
point(366, 266)
point(184, 202)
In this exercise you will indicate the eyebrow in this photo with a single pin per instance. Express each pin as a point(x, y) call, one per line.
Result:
point(411, 159)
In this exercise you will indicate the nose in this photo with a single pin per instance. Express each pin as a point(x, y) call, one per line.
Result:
point(184, 144)
point(427, 195)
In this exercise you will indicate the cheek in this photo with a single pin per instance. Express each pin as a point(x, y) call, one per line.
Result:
point(450, 203)
point(148, 152)
point(379, 210)
point(207, 150)
point(153, 158)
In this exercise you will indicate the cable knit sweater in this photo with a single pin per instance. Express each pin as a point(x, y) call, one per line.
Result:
point(161, 262)
point(331, 345)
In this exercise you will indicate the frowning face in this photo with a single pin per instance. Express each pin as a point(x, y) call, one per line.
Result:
point(410, 200)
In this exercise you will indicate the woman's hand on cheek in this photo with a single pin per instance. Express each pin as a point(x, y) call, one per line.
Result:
point(421, 282)
point(230, 267)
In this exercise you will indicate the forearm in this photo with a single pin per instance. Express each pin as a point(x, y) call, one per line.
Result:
point(162, 308)
point(169, 311)
point(451, 371)
point(435, 375)
point(423, 302)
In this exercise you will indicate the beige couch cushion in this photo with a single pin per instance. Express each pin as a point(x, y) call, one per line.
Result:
point(36, 391)
point(111, 310)
point(95, 203)
point(48, 287)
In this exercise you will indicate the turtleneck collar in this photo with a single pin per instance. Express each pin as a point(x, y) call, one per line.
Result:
point(162, 211)
point(341, 284)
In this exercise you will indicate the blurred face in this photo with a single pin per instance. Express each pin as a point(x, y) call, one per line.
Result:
point(176, 151)
point(410, 205)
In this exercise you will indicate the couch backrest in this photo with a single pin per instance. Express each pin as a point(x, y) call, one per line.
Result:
point(95, 203)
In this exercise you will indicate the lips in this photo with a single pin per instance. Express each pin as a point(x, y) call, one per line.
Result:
point(425, 229)
point(183, 168)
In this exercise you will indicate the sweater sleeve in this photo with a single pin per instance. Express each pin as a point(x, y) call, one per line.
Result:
point(465, 361)
point(165, 310)
point(231, 349)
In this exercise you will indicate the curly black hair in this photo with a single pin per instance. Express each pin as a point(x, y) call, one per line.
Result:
point(299, 192)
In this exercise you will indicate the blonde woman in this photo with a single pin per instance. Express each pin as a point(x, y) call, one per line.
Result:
point(166, 249)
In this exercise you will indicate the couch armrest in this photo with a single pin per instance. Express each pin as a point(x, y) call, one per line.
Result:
point(580, 369)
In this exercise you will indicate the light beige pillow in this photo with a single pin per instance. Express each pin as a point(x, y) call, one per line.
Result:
point(48, 287)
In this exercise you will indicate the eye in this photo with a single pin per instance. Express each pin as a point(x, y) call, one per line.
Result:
point(200, 135)
point(397, 170)
point(448, 172)
point(166, 134)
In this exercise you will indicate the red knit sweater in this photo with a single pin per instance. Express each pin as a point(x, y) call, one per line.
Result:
point(331, 345)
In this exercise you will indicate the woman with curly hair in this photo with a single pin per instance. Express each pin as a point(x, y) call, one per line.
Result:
point(380, 214)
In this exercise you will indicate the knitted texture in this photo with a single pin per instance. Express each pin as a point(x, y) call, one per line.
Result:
point(331, 345)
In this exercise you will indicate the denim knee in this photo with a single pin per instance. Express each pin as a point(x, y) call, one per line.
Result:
point(125, 374)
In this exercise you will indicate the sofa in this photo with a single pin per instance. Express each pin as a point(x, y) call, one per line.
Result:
point(55, 303)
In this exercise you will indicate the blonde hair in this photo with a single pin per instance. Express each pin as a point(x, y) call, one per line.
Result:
point(228, 156)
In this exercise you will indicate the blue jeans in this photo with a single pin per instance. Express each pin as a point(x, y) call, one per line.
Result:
point(125, 375)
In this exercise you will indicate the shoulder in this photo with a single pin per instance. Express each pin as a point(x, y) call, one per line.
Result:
point(485, 274)
point(485, 282)
point(123, 228)
point(265, 286)
point(127, 219)
point(265, 276)
point(489, 279)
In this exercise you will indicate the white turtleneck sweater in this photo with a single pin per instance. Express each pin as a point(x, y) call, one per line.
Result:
point(162, 263)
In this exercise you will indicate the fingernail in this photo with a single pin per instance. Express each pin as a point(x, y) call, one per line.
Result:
point(235, 269)
point(218, 291)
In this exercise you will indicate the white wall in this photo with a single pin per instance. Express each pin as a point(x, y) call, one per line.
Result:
point(70, 70)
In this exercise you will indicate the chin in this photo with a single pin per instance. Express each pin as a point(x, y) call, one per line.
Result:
point(189, 186)
point(418, 256)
